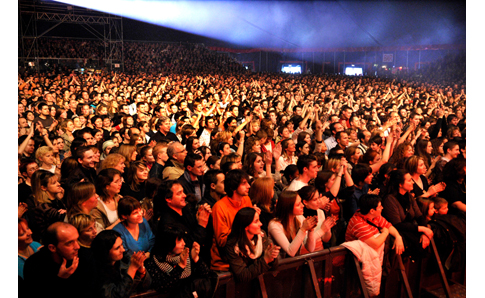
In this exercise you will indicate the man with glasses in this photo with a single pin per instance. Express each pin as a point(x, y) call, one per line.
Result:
point(174, 168)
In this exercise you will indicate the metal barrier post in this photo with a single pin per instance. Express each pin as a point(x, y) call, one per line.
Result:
point(316, 287)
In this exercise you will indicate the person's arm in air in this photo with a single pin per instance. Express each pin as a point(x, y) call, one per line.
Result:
point(26, 141)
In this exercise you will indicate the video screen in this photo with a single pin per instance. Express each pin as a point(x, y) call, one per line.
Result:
point(353, 71)
point(291, 68)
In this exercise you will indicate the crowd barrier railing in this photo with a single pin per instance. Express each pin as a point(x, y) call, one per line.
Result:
point(319, 274)
point(335, 272)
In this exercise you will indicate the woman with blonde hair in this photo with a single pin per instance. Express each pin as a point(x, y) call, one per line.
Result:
point(129, 152)
point(333, 164)
point(288, 156)
point(115, 161)
point(253, 127)
point(113, 107)
point(224, 136)
point(47, 206)
point(46, 159)
point(85, 224)
point(262, 194)
point(227, 136)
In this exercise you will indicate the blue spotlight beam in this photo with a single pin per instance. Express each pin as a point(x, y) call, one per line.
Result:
point(295, 24)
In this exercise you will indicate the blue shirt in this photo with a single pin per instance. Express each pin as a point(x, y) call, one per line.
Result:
point(35, 246)
point(145, 242)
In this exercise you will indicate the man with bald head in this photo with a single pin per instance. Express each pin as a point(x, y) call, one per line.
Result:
point(56, 270)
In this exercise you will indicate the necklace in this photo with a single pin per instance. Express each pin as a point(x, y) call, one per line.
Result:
point(27, 252)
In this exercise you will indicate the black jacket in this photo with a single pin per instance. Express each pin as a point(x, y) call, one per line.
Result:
point(188, 223)
point(41, 280)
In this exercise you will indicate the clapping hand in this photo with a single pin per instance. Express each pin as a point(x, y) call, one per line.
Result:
point(183, 257)
point(328, 223)
point(137, 259)
point(374, 191)
point(309, 223)
point(271, 252)
point(194, 253)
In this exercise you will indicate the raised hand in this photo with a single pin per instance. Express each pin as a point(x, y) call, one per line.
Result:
point(268, 157)
point(277, 151)
point(22, 209)
point(203, 214)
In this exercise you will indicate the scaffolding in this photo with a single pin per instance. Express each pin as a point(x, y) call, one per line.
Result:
point(45, 19)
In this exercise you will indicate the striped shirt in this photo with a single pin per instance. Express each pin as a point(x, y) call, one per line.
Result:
point(359, 229)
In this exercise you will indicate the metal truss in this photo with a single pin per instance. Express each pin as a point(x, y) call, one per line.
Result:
point(105, 27)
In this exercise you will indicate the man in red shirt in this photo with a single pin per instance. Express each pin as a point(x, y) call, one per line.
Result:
point(369, 226)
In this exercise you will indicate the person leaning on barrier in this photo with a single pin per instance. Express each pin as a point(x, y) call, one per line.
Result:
point(248, 250)
point(368, 225)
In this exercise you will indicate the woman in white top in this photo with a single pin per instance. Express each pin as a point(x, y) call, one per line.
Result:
point(108, 186)
point(288, 156)
point(313, 202)
point(290, 229)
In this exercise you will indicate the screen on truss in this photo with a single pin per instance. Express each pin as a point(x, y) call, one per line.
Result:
point(353, 71)
point(291, 68)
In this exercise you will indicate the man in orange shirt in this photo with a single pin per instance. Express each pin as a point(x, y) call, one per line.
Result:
point(237, 187)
